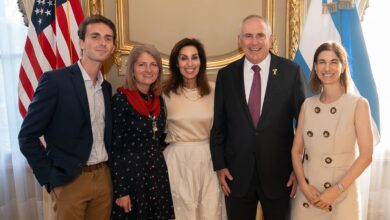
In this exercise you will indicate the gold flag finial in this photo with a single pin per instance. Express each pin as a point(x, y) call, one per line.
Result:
point(329, 7)
point(346, 4)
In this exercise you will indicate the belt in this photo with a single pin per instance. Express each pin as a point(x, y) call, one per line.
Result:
point(90, 168)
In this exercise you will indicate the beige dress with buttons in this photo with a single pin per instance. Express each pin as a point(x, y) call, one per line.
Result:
point(330, 149)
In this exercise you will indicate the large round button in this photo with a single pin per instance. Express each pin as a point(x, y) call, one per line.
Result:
point(328, 160)
point(317, 110)
point(327, 185)
point(333, 110)
point(330, 208)
point(310, 133)
point(306, 205)
point(326, 134)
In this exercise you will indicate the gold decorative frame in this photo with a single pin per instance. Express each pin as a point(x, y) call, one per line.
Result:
point(124, 44)
point(270, 16)
point(94, 7)
point(294, 23)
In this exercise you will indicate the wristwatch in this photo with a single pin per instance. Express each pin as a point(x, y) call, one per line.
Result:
point(341, 187)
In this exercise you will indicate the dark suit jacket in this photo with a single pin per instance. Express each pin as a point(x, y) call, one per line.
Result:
point(237, 145)
point(60, 112)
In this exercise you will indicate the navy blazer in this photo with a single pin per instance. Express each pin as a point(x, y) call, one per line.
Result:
point(59, 111)
point(266, 149)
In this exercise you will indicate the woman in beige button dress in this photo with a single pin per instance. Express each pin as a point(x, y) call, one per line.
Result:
point(333, 143)
point(189, 99)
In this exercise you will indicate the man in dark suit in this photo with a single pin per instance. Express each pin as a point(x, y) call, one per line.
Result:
point(253, 131)
point(71, 110)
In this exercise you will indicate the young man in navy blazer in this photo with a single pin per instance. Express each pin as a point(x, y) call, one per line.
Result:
point(252, 154)
point(71, 110)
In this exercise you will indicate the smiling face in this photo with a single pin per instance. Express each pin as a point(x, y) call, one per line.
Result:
point(146, 72)
point(255, 39)
point(328, 67)
point(98, 44)
point(189, 63)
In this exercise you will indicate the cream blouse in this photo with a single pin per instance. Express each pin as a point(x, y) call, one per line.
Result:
point(189, 116)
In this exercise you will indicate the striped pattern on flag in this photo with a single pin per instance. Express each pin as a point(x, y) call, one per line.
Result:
point(52, 42)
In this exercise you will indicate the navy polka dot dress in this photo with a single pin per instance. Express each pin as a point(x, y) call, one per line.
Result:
point(138, 167)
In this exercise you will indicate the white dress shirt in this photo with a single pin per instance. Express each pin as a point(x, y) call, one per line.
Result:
point(248, 77)
point(97, 114)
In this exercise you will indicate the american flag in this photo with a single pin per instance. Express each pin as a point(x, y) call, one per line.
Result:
point(52, 42)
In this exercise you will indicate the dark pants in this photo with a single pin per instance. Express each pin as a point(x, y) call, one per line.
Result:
point(244, 208)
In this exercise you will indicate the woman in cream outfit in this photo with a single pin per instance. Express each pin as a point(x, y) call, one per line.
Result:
point(189, 99)
point(333, 143)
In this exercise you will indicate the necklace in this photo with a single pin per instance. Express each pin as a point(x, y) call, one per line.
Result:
point(154, 125)
point(191, 94)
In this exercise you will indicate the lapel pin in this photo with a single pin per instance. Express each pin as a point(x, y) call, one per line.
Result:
point(274, 71)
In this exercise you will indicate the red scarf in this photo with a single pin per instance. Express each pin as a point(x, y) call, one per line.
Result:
point(144, 107)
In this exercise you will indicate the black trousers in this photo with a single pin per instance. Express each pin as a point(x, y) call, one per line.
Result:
point(244, 208)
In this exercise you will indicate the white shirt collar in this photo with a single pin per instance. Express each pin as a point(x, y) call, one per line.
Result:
point(99, 76)
point(263, 64)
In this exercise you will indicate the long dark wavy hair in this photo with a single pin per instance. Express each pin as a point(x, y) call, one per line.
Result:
point(175, 79)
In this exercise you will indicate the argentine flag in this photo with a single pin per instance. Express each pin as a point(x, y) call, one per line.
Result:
point(338, 20)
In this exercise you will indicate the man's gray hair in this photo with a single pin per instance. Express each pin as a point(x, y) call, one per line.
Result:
point(269, 29)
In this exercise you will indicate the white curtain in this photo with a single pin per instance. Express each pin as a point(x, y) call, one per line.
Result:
point(20, 194)
point(376, 36)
